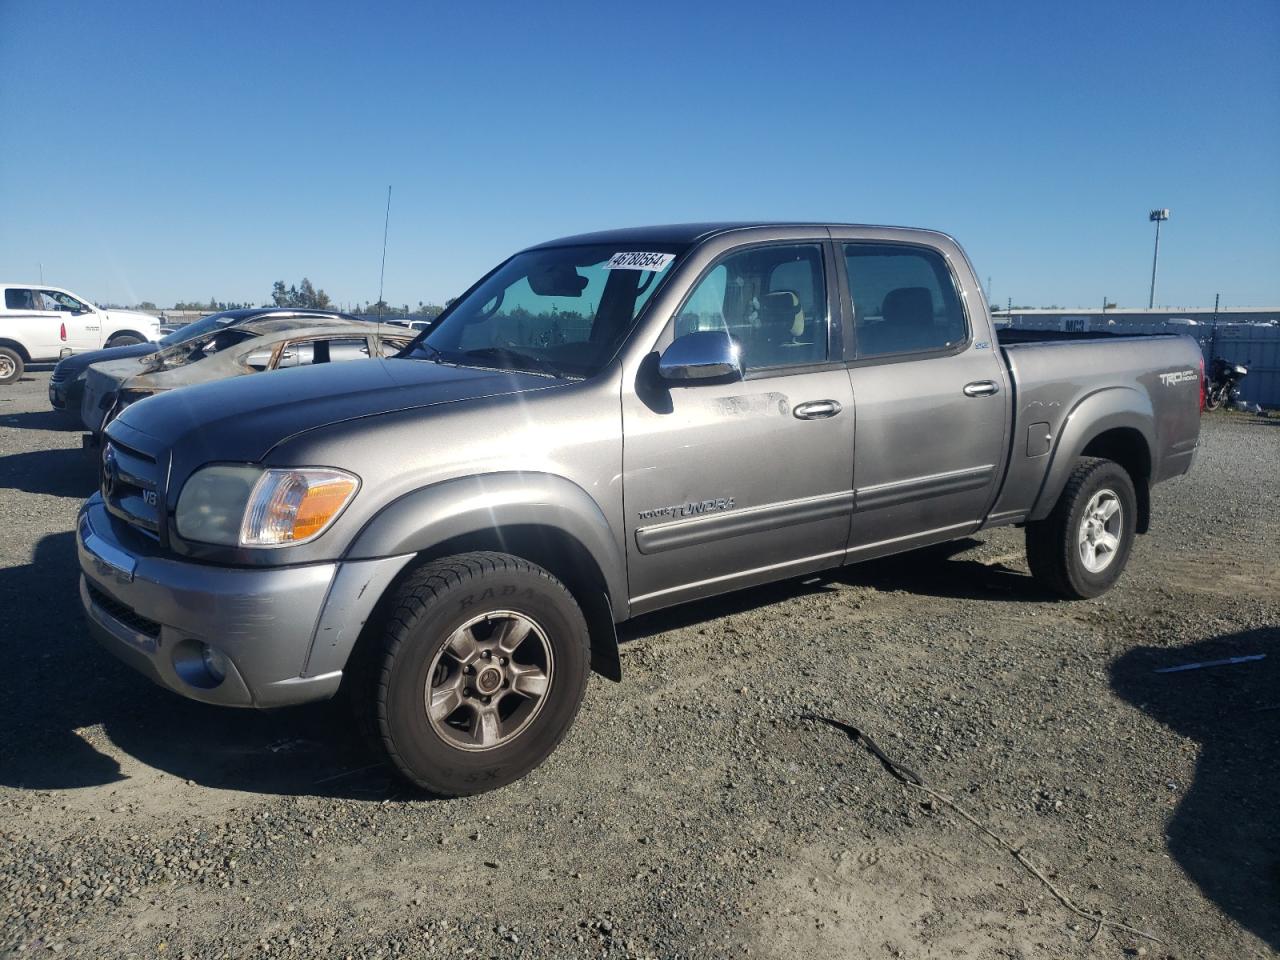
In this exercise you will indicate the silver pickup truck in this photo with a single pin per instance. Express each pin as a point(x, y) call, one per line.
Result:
point(604, 426)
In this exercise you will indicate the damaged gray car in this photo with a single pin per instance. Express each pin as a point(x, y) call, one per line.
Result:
point(231, 352)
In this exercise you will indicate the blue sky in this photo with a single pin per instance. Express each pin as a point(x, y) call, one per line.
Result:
point(180, 151)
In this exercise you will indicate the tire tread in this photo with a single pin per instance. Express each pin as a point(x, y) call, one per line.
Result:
point(417, 592)
point(1050, 541)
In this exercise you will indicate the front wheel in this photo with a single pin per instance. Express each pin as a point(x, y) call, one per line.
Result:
point(124, 340)
point(477, 673)
point(1081, 548)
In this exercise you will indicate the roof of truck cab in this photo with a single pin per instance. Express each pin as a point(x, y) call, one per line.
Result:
point(687, 234)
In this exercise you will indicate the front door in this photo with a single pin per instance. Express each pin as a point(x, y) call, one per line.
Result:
point(727, 484)
point(931, 401)
point(80, 322)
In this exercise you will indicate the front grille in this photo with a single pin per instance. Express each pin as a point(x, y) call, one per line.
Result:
point(130, 485)
point(125, 614)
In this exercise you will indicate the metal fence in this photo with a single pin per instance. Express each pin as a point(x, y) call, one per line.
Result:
point(1256, 345)
point(1258, 348)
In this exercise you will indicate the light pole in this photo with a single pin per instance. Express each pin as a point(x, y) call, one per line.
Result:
point(1157, 217)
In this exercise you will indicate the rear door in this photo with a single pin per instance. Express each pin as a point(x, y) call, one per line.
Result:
point(27, 321)
point(930, 396)
point(728, 484)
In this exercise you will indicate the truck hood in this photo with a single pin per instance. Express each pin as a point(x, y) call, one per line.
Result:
point(79, 362)
point(241, 419)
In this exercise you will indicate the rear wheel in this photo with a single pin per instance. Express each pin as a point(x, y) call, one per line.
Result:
point(1214, 397)
point(11, 365)
point(1081, 548)
point(124, 340)
point(478, 672)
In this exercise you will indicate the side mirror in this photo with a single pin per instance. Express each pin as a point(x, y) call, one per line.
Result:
point(706, 355)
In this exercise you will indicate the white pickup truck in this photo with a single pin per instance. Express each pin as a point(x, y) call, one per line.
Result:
point(40, 324)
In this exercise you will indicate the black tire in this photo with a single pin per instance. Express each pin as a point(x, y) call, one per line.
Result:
point(11, 366)
point(407, 650)
point(1054, 548)
point(124, 340)
point(1214, 397)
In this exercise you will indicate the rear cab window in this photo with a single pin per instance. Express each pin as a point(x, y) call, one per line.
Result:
point(904, 300)
point(20, 298)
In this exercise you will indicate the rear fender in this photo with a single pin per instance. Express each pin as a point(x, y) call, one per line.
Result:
point(1108, 409)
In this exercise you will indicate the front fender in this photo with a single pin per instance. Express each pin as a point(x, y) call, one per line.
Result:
point(471, 505)
point(1106, 409)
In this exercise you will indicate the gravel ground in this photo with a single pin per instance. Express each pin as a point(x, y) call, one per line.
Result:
point(694, 810)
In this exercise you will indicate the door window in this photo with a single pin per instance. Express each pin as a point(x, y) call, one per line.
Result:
point(771, 299)
point(20, 298)
point(904, 300)
point(57, 300)
point(307, 352)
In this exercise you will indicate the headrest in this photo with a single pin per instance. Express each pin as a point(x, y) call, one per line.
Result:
point(782, 309)
point(908, 305)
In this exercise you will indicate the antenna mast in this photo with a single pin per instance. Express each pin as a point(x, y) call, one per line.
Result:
point(383, 272)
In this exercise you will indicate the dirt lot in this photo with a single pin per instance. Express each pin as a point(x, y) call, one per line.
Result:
point(693, 811)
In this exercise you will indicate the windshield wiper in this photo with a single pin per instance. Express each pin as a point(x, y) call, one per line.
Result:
point(509, 359)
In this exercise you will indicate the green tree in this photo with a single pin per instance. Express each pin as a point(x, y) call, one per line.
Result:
point(305, 296)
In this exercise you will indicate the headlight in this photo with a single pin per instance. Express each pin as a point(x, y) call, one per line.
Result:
point(247, 506)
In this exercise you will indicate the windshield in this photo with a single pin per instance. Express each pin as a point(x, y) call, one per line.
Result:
point(198, 329)
point(194, 348)
point(562, 311)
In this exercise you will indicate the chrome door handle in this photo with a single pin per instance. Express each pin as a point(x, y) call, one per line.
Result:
point(817, 410)
point(981, 388)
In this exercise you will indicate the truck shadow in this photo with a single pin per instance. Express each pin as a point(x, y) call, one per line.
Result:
point(61, 685)
point(60, 472)
point(942, 571)
point(935, 571)
point(42, 420)
point(1223, 833)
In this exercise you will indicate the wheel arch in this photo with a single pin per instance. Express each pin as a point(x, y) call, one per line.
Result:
point(17, 348)
point(142, 337)
point(541, 518)
point(1116, 424)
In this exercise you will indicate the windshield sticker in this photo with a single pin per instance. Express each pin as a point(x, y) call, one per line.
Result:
point(656, 262)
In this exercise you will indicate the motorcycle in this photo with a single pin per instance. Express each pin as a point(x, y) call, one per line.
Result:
point(1224, 383)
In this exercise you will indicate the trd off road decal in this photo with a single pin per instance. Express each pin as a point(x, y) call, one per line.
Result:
point(1178, 376)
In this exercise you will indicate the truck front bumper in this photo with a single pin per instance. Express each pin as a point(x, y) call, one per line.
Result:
point(256, 637)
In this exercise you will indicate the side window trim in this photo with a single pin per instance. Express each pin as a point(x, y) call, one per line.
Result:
point(851, 355)
point(830, 294)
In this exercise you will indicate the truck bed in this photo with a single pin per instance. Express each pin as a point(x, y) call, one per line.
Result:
point(1064, 381)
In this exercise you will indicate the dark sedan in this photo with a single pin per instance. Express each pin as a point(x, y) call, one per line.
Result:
point(66, 385)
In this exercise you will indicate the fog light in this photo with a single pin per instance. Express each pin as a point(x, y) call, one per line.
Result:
point(215, 663)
